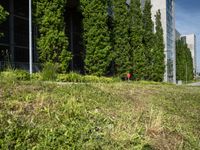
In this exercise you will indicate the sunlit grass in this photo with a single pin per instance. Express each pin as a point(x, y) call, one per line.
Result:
point(138, 115)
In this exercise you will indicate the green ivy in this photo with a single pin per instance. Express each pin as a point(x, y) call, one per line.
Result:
point(96, 36)
point(52, 41)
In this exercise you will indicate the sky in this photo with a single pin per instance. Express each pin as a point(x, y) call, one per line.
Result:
point(188, 21)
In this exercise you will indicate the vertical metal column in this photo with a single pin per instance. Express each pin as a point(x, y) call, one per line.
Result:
point(11, 31)
point(72, 38)
point(174, 42)
point(30, 39)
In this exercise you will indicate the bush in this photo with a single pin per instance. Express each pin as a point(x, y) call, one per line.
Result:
point(36, 76)
point(22, 75)
point(14, 75)
point(74, 77)
point(71, 77)
point(49, 72)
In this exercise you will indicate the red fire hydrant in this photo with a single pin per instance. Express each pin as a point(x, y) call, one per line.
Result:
point(128, 76)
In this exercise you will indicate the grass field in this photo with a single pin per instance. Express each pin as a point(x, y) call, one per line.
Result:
point(135, 116)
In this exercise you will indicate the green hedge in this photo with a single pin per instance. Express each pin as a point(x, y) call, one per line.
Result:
point(14, 75)
point(74, 77)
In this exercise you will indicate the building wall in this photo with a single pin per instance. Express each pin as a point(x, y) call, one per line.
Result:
point(16, 33)
point(178, 35)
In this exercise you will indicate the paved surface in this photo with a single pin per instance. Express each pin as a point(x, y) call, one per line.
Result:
point(194, 84)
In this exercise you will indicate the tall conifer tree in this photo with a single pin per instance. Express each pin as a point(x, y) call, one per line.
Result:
point(184, 62)
point(179, 60)
point(148, 38)
point(189, 65)
point(52, 42)
point(96, 36)
point(121, 36)
point(158, 56)
point(138, 59)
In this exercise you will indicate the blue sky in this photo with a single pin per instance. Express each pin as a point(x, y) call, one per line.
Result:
point(188, 20)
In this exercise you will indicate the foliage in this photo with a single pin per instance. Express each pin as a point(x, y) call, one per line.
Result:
point(37, 76)
point(74, 77)
point(98, 116)
point(121, 45)
point(3, 16)
point(70, 77)
point(116, 35)
point(158, 53)
point(49, 72)
point(138, 60)
point(184, 62)
point(15, 75)
point(96, 36)
point(148, 39)
point(52, 42)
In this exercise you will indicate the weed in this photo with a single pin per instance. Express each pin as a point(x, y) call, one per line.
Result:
point(37, 115)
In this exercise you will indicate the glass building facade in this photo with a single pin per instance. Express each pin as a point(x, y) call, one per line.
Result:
point(170, 35)
point(14, 44)
point(16, 34)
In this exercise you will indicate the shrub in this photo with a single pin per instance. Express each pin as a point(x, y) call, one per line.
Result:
point(22, 75)
point(74, 77)
point(71, 77)
point(49, 72)
point(36, 76)
point(8, 76)
point(14, 75)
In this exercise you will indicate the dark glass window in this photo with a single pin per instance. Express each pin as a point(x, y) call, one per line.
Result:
point(74, 29)
point(5, 4)
point(21, 8)
point(4, 53)
point(4, 28)
point(21, 32)
point(21, 54)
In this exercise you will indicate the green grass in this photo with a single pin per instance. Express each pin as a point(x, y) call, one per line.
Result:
point(135, 116)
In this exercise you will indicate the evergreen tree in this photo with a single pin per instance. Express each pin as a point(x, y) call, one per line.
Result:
point(96, 36)
point(158, 57)
point(137, 53)
point(148, 39)
point(52, 42)
point(189, 65)
point(179, 60)
point(184, 62)
point(3, 16)
point(121, 37)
